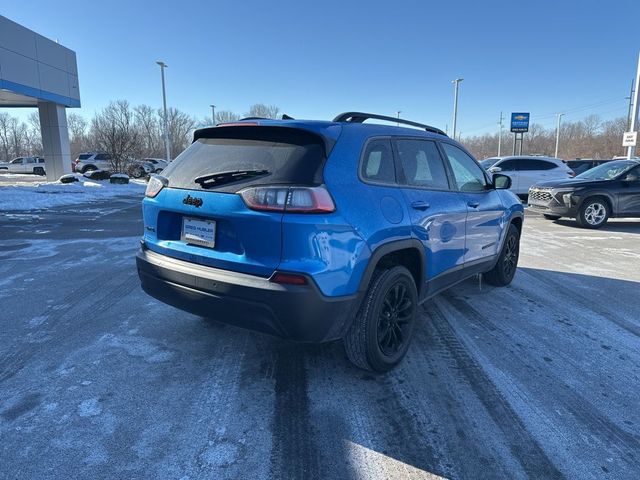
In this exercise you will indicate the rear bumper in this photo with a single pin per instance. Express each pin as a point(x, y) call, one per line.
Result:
point(299, 313)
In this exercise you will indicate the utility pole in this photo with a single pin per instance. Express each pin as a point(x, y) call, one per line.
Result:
point(455, 82)
point(500, 135)
point(399, 112)
point(631, 151)
point(213, 114)
point(560, 115)
point(630, 98)
point(167, 146)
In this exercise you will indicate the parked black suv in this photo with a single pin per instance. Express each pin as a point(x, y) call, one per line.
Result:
point(609, 190)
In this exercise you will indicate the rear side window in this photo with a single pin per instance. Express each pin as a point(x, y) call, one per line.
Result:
point(377, 162)
point(531, 164)
point(84, 156)
point(508, 165)
point(243, 156)
point(422, 164)
point(469, 176)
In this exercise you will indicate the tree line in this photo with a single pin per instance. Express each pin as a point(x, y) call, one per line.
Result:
point(120, 129)
point(127, 131)
point(590, 137)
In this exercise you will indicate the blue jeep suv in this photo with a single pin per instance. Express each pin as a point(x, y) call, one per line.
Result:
point(317, 231)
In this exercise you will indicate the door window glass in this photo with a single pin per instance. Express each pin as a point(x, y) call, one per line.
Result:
point(422, 164)
point(468, 175)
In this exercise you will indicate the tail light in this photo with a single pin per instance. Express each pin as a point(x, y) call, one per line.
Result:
point(156, 183)
point(288, 199)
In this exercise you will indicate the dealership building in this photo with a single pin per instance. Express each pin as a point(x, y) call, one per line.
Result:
point(38, 72)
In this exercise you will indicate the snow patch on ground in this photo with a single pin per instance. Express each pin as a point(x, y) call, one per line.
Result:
point(38, 196)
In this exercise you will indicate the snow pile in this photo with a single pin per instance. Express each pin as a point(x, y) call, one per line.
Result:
point(46, 195)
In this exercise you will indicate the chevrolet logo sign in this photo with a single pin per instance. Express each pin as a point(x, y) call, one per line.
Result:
point(195, 201)
point(520, 117)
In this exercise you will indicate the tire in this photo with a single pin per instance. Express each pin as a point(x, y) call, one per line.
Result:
point(594, 213)
point(381, 333)
point(88, 168)
point(550, 217)
point(503, 272)
point(38, 171)
point(159, 170)
point(137, 172)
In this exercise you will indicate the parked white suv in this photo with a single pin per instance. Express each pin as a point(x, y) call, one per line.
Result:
point(92, 161)
point(24, 165)
point(525, 171)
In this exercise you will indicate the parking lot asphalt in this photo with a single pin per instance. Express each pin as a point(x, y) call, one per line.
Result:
point(98, 380)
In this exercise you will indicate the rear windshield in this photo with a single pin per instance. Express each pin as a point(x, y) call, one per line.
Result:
point(258, 155)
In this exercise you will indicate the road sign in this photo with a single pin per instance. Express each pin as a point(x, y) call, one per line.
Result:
point(629, 139)
point(520, 122)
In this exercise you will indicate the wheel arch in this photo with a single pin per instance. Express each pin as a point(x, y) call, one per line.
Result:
point(408, 253)
point(599, 194)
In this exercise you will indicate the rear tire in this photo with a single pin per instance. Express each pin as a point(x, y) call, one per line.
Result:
point(381, 333)
point(88, 168)
point(593, 213)
point(550, 217)
point(505, 269)
point(38, 171)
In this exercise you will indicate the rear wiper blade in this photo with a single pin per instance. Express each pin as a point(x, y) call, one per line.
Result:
point(220, 178)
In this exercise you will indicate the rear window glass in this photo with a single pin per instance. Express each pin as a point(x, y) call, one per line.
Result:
point(377, 162)
point(249, 156)
point(84, 156)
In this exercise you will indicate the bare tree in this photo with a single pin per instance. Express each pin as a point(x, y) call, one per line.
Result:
point(226, 116)
point(114, 131)
point(149, 123)
point(180, 127)
point(263, 111)
point(5, 136)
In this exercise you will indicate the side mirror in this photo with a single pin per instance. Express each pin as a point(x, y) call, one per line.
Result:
point(495, 169)
point(501, 182)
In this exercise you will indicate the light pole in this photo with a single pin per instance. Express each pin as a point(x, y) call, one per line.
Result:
point(631, 151)
point(398, 112)
point(455, 82)
point(213, 114)
point(560, 115)
point(167, 146)
point(500, 135)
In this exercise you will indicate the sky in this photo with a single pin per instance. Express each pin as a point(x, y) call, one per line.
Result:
point(317, 59)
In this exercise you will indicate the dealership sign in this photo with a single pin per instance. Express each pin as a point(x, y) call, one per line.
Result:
point(629, 139)
point(520, 122)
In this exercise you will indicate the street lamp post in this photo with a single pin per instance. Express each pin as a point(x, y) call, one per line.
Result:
point(213, 113)
point(398, 112)
point(167, 146)
point(455, 82)
point(631, 151)
point(500, 135)
point(560, 115)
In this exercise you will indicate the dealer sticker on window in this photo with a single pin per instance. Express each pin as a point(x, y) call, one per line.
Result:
point(199, 232)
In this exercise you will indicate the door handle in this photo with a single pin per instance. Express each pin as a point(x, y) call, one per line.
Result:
point(473, 204)
point(420, 205)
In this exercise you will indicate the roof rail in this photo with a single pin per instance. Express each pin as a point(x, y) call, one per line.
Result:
point(360, 117)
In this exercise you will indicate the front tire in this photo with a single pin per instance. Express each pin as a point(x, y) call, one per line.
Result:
point(381, 333)
point(503, 272)
point(593, 213)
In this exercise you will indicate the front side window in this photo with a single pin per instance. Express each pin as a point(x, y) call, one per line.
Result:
point(17, 161)
point(468, 175)
point(377, 162)
point(422, 164)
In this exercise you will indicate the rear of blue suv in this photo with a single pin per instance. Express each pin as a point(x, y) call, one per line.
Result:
point(317, 231)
